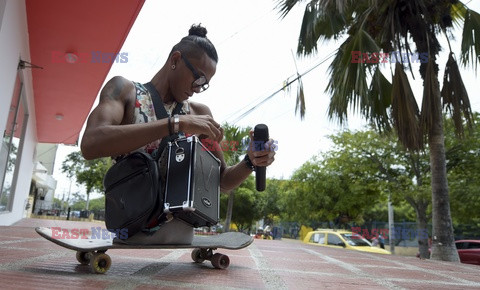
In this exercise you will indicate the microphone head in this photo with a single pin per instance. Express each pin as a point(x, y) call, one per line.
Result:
point(260, 132)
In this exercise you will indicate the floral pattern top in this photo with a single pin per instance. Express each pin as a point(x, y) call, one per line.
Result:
point(145, 112)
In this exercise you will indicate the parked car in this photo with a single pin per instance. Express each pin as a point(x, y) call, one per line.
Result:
point(468, 251)
point(341, 239)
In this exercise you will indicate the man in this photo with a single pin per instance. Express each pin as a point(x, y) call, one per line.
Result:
point(124, 120)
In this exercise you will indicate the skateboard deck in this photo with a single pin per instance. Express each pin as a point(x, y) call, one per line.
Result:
point(91, 250)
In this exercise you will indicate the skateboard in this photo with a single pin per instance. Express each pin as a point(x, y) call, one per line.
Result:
point(92, 250)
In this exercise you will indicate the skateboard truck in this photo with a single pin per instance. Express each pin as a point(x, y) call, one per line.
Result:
point(219, 261)
point(98, 261)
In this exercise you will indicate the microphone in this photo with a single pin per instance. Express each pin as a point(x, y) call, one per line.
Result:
point(260, 136)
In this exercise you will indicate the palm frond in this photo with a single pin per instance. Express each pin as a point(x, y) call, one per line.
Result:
point(379, 97)
point(232, 145)
point(285, 6)
point(300, 102)
point(322, 20)
point(286, 87)
point(431, 108)
point(348, 83)
point(405, 113)
point(455, 96)
point(458, 12)
point(470, 47)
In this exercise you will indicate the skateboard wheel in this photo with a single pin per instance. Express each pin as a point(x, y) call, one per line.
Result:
point(83, 257)
point(197, 256)
point(100, 263)
point(220, 261)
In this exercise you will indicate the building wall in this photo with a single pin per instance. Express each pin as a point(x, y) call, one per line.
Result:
point(46, 153)
point(14, 45)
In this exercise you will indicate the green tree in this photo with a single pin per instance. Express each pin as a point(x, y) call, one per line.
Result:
point(403, 26)
point(87, 172)
point(332, 190)
point(463, 164)
point(245, 211)
point(58, 203)
point(267, 202)
point(77, 201)
point(404, 175)
point(97, 204)
point(234, 137)
point(12, 157)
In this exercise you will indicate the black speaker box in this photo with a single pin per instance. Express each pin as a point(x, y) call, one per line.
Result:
point(192, 190)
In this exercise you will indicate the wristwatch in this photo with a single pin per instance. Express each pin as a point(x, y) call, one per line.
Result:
point(248, 162)
point(176, 124)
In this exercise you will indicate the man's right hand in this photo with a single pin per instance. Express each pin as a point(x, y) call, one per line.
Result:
point(201, 125)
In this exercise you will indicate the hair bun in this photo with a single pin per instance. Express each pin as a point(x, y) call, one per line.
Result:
point(198, 30)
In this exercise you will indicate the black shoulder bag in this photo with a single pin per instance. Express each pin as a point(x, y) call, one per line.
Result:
point(133, 185)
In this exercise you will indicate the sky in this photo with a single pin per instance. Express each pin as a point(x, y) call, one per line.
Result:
point(257, 54)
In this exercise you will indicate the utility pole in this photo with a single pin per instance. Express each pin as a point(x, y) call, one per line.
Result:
point(69, 191)
point(391, 236)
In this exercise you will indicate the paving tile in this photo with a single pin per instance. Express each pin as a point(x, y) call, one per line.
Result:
point(8, 255)
point(204, 274)
point(315, 281)
point(368, 262)
point(431, 285)
point(152, 287)
point(25, 280)
point(28, 261)
point(405, 273)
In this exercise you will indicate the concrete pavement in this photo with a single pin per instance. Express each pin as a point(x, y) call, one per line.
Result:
point(28, 261)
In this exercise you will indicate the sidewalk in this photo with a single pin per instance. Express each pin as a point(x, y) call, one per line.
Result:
point(28, 261)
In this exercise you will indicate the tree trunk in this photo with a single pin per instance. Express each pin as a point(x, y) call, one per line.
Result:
point(88, 201)
point(422, 232)
point(228, 218)
point(443, 242)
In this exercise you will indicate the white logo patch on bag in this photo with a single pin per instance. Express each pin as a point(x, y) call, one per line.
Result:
point(179, 154)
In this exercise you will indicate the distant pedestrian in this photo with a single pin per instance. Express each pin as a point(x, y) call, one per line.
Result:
point(381, 241)
point(375, 242)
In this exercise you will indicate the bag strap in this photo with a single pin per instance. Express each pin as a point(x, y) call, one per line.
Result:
point(161, 113)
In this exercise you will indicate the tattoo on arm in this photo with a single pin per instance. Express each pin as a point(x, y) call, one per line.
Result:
point(113, 89)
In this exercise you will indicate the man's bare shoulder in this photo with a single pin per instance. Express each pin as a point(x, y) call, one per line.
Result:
point(199, 108)
point(118, 88)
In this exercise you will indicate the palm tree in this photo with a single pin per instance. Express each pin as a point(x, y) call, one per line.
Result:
point(369, 28)
point(234, 137)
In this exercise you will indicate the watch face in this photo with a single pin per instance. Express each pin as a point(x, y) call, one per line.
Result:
point(176, 121)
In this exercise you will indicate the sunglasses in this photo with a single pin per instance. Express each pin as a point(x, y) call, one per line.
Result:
point(200, 81)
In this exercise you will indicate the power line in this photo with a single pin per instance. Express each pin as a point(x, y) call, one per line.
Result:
point(243, 28)
point(246, 106)
point(250, 110)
